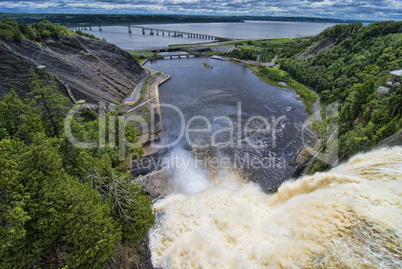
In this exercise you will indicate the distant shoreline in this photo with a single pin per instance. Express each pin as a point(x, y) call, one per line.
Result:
point(77, 20)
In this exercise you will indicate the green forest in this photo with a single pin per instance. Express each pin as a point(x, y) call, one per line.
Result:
point(10, 29)
point(345, 63)
point(59, 200)
point(350, 73)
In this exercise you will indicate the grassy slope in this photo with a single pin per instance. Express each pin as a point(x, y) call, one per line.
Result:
point(275, 75)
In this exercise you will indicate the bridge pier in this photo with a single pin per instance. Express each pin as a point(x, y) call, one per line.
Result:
point(169, 33)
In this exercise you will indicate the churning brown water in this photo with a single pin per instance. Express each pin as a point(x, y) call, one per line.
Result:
point(350, 217)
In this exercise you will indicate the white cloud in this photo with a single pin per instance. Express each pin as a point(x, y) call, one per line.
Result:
point(348, 9)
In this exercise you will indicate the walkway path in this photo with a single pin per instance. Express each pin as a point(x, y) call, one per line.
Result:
point(154, 133)
point(135, 96)
point(154, 93)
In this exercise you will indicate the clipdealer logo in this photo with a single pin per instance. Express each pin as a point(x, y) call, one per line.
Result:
point(237, 136)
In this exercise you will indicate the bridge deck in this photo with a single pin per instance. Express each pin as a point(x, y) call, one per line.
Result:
point(176, 32)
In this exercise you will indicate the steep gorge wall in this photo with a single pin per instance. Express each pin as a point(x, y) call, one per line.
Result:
point(93, 70)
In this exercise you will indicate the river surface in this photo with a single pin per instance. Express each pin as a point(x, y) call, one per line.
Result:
point(253, 126)
point(119, 35)
point(248, 29)
point(348, 217)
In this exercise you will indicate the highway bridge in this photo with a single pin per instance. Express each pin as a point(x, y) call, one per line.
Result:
point(163, 32)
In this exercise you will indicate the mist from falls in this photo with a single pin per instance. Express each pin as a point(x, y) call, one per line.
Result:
point(349, 217)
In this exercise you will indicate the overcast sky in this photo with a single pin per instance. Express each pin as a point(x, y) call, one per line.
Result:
point(344, 9)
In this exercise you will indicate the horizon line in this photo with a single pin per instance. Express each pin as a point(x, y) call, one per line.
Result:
point(199, 15)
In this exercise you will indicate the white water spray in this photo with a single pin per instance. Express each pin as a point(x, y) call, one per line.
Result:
point(189, 178)
point(350, 217)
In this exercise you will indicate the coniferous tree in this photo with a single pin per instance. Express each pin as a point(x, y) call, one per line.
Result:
point(51, 105)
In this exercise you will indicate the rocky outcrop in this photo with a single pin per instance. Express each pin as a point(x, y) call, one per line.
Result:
point(318, 47)
point(136, 256)
point(93, 70)
point(157, 183)
point(304, 155)
point(394, 140)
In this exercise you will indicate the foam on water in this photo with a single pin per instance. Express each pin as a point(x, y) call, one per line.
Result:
point(350, 217)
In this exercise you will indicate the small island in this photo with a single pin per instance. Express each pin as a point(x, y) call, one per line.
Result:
point(207, 66)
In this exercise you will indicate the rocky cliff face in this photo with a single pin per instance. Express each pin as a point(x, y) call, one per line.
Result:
point(93, 70)
point(392, 141)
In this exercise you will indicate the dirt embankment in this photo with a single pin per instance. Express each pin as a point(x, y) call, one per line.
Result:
point(93, 70)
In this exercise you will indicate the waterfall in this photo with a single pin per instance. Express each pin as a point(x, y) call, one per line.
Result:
point(349, 217)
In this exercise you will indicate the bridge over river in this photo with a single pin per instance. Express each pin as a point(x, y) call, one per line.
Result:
point(158, 31)
point(163, 32)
